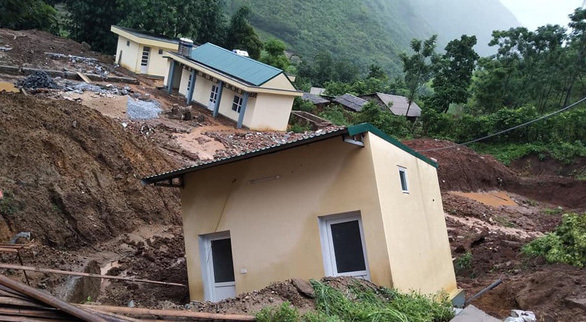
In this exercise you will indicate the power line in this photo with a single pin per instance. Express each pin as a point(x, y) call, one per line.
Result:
point(509, 129)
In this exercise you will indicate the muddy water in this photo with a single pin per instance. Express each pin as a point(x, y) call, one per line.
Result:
point(9, 87)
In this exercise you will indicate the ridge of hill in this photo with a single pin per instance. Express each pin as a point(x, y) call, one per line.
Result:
point(372, 31)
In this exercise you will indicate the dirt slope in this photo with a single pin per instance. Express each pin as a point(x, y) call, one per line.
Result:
point(70, 175)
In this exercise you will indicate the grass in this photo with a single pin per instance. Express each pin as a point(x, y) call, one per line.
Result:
point(463, 262)
point(364, 303)
point(504, 221)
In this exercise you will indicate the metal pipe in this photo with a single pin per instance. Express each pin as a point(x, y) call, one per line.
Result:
point(488, 288)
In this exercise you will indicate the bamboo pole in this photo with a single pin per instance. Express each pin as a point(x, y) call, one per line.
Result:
point(169, 313)
point(50, 300)
point(56, 271)
point(19, 302)
point(34, 313)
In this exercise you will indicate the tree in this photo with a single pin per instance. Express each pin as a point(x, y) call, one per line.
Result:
point(454, 74)
point(578, 48)
point(418, 67)
point(90, 21)
point(28, 14)
point(211, 22)
point(241, 34)
point(376, 71)
point(274, 54)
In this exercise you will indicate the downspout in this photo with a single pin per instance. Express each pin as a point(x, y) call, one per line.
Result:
point(242, 110)
point(217, 107)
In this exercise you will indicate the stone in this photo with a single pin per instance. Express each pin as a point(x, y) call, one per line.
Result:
point(576, 303)
point(303, 287)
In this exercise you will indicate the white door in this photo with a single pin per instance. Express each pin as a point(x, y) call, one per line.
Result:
point(217, 267)
point(144, 61)
point(213, 97)
point(343, 247)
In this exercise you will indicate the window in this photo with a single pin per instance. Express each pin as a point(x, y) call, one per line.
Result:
point(237, 104)
point(160, 51)
point(128, 43)
point(342, 241)
point(403, 177)
point(214, 94)
point(189, 81)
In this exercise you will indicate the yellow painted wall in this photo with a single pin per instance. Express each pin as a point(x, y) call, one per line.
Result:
point(274, 224)
point(203, 88)
point(157, 64)
point(280, 82)
point(417, 239)
point(271, 112)
point(166, 75)
point(130, 54)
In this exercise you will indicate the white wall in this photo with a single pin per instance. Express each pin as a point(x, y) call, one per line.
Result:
point(130, 54)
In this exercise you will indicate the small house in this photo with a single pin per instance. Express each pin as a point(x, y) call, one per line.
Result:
point(142, 53)
point(316, 100)
point(350, 102)
point(248, 92)
point(397, 104)
point(342, 202)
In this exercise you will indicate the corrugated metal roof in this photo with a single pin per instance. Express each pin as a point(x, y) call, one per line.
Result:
point(227, 62)
point(350, 101)
point(147, 35)
point(315, 99)
point(400, 104)
point(313, 137)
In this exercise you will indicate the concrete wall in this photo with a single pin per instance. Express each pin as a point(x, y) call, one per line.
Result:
point(203, 88)
point(414, 222)
point(271, 112)
point(184, 81)
point(130, 54)
point(274, 224)
point(280, 82)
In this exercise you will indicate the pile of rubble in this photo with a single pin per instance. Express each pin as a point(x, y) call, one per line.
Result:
point(36, 80)
point(90, 62)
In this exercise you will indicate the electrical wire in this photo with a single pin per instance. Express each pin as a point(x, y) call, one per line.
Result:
point(509, 129)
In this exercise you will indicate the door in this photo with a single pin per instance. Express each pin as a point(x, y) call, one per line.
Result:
point(218, 267)
point(213, 97)
point(144, 61)
point(343, 247)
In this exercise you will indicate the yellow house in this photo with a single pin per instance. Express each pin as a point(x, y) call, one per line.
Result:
point(344, 202)
point(250, 93)
point(142, 53)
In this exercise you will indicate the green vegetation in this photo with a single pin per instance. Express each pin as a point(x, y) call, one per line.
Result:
point(463, 262)
point(28, 14)
point(8, 205)
point(364, 303)
point(567, 244)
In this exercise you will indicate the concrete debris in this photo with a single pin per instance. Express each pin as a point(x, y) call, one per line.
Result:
point(25, 234)
point(5, 48)
point(142, 110)
point(472, 313)
point(521, 316)
point(577, 303)
point(38, 79)
point(70, 57)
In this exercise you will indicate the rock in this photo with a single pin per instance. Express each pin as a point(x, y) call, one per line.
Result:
point(303, 287)
point(576, 303)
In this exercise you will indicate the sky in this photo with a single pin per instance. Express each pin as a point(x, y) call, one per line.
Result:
point(535, 13)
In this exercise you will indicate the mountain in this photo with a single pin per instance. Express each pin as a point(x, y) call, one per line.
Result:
point(371, 31)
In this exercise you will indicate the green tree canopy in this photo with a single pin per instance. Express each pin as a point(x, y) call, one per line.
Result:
point(241, 34)
point(28, 14)
point(90, 21)
point(275, 54)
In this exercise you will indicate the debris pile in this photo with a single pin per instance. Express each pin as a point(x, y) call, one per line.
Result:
point(142, 110)
point(38, 80)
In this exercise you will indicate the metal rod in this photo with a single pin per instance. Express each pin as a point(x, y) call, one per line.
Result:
point(488, 288)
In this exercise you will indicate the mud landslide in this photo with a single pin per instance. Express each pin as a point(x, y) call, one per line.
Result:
point(70, 176)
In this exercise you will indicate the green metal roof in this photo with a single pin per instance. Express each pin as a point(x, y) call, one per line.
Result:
point(314, 137)
point(227, 62)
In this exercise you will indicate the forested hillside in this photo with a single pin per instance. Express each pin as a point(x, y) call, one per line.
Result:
point(373, 31)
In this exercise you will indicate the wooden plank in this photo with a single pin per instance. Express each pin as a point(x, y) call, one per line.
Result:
point(34, 313)
point(50, 300)
point(85, 78)
point(19, 302)
point(8, 250)
point(25, 318)
point(56, 271)
point(170, 313)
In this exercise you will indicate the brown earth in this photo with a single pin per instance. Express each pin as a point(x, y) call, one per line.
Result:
point(70, 175)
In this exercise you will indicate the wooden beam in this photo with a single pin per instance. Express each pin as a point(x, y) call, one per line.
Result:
point(84, 78)
point(170, 313)
point(50, 300)
point(56, 271)
point(34, 313)
point(19, 302)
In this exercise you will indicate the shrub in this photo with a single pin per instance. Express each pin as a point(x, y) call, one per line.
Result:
point(285, 313)
point(567, 244)
point(463, 262)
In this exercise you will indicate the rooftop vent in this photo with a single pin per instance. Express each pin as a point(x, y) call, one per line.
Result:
point(185, 46)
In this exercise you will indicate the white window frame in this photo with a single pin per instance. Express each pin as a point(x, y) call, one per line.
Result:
point(403, 171)
point(327, 245)
point(237, 106)
point(214, 93)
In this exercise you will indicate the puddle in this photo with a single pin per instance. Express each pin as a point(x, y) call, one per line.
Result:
point(8, 87)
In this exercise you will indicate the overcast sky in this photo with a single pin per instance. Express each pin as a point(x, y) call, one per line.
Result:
point(535, 13)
